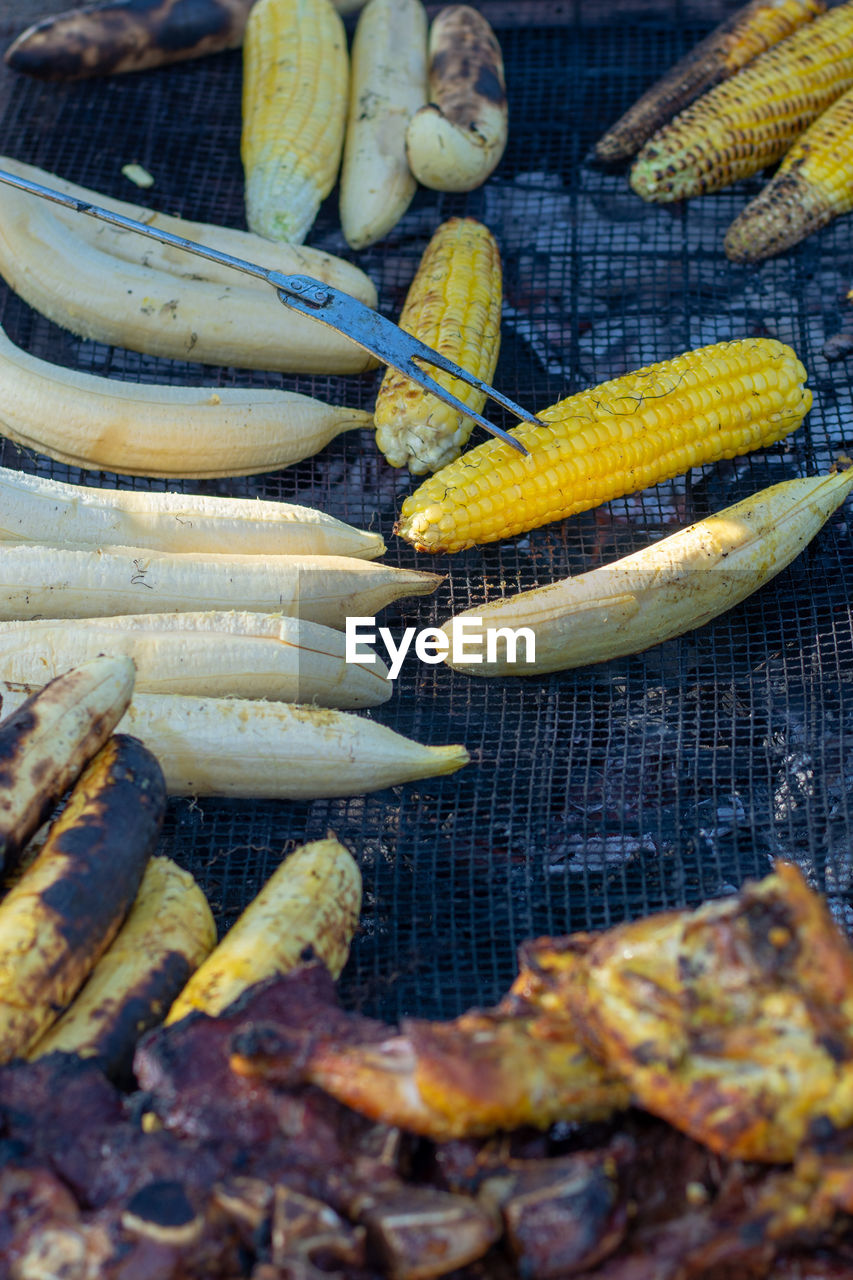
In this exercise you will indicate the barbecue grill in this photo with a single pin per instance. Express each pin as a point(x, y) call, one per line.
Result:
point(596, 795)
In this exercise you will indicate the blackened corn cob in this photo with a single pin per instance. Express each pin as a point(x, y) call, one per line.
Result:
point(813, 185)
point(732, 45)
point(454, 306)
point(622, 436)
point(750, 121)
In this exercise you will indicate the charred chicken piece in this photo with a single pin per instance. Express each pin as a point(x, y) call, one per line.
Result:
point(734, 1022)
point(487, 1070)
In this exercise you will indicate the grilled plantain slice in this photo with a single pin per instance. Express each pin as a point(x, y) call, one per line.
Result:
point(49, 739)
point(167, 934)
point(64, 912)
point(308, 908)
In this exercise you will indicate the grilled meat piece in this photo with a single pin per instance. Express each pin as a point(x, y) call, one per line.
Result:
point(733, 1022)
point(488, 1070)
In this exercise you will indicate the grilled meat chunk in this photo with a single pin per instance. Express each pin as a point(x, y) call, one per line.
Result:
point(733, 1022)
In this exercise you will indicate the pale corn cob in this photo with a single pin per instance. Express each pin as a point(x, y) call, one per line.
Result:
point(813, 185)
point(749, 121)
point(454, 306)
point(308, 908)
point(665, 590)
point(635, 431)
point(295, 97)
point(757, 26)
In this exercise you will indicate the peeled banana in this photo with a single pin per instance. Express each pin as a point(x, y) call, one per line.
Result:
point(150, 429)
point(243, 748)
point(120, 288)
point(388, 85)
point(54, 582)
point(663, 591)
point(229, 654)
point(35, 509)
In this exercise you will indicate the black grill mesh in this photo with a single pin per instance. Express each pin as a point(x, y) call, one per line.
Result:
point(643, 783)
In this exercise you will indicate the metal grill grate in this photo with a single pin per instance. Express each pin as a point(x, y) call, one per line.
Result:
point(647, 782)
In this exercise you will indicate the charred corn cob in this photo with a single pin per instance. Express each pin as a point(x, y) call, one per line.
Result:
point(637, 430)
point(168, 932)
point(47, 742)
point(813, 185)
point(757, 26)
point(666, 589)
point(295, 97)
point(63, 913)
point(307, 910)
point(748, 122)
point(454, 306)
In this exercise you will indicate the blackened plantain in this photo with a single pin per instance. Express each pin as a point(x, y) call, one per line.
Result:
point(169, 931)
point(48, 740)
point(68, 906)
point(126, 35)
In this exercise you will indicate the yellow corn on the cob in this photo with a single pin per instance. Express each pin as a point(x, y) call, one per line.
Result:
point(749, 121)
point(454, 306)
point(295, 96)
point(813, 185)
point(733, 44)
point(716, 402)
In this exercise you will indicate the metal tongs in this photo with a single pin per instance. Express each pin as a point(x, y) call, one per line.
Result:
point(319, 301)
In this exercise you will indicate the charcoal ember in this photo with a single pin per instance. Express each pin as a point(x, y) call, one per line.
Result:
point(564, 1214)
point(838, 347)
